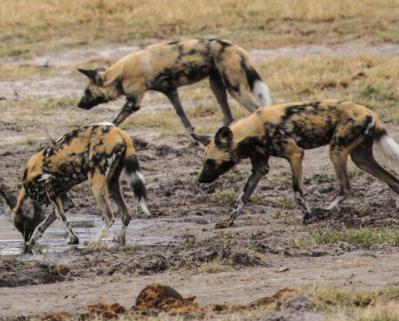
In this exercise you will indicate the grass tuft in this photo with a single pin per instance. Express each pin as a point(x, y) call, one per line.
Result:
point(365, 237)
point(262, 22)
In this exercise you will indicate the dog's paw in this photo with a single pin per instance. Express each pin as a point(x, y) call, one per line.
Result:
point(223, 224)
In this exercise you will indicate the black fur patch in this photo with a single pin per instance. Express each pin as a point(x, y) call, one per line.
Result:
point(172, 43)
point(172, 78)
point(246, 148)
point(139, 189)
point(132, 167)
point(251, 74)
point(212, 170)
point(132, 164)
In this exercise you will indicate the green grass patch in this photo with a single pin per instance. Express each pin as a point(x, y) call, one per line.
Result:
point(365, 237)
point(223, 197)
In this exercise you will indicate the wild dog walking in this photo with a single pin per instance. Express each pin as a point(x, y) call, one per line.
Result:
point(165, 67)
point(98, 153)
point(289, 129)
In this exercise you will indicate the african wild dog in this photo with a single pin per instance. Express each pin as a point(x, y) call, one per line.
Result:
point(286, 131)
point(97, 152)
point(165, 67)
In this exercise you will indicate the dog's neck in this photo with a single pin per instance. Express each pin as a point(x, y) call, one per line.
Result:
point(246, 128)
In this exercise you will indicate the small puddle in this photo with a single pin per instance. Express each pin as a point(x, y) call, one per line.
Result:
point(156, 231)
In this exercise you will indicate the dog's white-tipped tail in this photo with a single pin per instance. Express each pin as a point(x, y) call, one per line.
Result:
point(262, 93)
point(137, 182)
point(389, 147)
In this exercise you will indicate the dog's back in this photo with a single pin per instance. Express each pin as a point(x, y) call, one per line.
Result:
point(72, 157)
point(310, 125)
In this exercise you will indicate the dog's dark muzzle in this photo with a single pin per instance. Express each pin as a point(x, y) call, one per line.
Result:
point(207, 177)
point(86, 103)
point(212, 171)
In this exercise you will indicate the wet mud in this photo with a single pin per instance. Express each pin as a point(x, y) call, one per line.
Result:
point(179, 243)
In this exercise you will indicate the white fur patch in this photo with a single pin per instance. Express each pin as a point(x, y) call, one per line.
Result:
point(44, 177)
point(137, 176)
point(335, 203)
point(144, 208)
point(105, 123)
point(262, 93)
point(370, 126)
point(389, 148)
point(110, 160)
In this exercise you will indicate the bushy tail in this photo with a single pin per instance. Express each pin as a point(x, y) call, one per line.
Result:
point(389, 147)
point(386, 143)
point(134, 176)
point(259, 89)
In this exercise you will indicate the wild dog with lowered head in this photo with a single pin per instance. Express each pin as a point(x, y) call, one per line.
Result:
point(33, 213)
point(165, 67)
point(98, 153)
point(286, 131)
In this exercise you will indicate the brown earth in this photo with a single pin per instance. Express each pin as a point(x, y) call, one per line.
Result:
point(255, 258)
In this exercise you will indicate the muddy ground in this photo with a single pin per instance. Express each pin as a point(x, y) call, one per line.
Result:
point(179, 245)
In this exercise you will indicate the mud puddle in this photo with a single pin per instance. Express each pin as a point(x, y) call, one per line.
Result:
point(144, 232)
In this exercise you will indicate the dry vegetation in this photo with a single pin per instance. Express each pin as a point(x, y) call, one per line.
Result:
point(368, 80)
point(28, 26)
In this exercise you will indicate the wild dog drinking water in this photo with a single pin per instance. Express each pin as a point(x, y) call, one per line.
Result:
point(98, 153)
point(165, 67)
point(289, 129)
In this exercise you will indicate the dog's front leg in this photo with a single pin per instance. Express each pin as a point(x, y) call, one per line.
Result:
point(59, 211)
point(259, 169)
point(128, 108)
point(39, 230)
point(174, 99)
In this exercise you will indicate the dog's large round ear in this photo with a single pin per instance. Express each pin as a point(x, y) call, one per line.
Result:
point(203, 139)
point(94, 74)
point(224, 137)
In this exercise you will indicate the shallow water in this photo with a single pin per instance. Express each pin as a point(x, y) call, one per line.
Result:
point(54, 240)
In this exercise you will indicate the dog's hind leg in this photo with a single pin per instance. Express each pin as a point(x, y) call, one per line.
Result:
point(100, 191)
point(363, 157)
point(173, 97)
point(220, 93)
point(349, 134)
point(339, 158)
point(295, 154)
point(120, 202)
point(245, 98)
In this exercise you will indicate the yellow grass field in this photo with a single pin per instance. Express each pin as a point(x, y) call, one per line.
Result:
point(26, 26)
